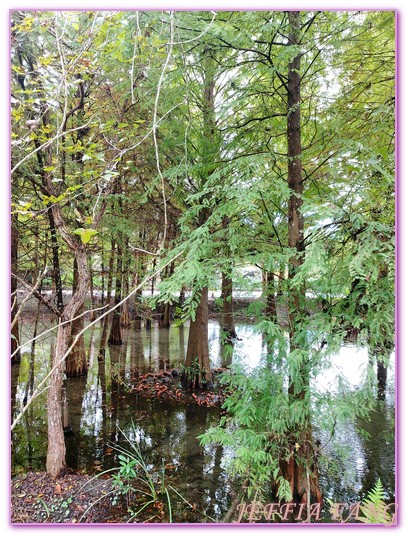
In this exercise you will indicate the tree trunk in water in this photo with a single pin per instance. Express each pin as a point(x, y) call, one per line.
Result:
point(115, 337)
point(166, 316)
point(125, 316)
point(105, 327)
point(381, 380)
point(197, 374)
point(381, 356)
point(300, 470)
point(56, 441)
point(15, 337)
point(228, 326)
point(138, 316)
point(76, 362)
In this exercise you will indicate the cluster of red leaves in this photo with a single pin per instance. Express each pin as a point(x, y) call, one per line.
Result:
point(209, 399)
point(164, 385)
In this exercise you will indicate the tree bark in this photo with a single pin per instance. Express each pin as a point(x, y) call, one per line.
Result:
point(125, 315)
point(197, 372)
point(300, 470)
point(15, 336)
point(115, 337)
point(228, 326)
point(55, 261)
point(105, 326)
point(56, 443)
point(76, 362)
point(165, 316)
point(381, 380)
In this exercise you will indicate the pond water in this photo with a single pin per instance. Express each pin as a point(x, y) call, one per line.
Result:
point(101, 408)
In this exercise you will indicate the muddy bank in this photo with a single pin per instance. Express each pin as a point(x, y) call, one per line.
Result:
point(73, 498)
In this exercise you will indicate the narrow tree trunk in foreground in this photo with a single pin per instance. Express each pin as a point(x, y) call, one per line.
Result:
point(300, 470)
point(56, 443)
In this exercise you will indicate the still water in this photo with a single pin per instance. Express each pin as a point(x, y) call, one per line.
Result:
point(101, 407)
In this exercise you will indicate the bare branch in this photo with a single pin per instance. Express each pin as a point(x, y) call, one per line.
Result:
point(32, 291)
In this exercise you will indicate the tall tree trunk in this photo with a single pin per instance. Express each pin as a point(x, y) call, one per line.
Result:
point(56, 445)
point(105, 326)
point(56, 442)
point(115, 337)
point(300, 470)
point(197, 372)
point(125, 316)
point(228, 322)
point(15, 336)
point(55, 261)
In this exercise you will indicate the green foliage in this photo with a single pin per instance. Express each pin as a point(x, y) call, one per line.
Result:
point(258, 427)
point(190, 373)
point(85, 234)
point(374, 507)
point(134, 478)
point(211, 186)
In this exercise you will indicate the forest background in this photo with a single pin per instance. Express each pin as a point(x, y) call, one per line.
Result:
point(182, 5)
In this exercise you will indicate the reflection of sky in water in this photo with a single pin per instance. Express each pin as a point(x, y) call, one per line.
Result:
point(350, 364)
point(171, 430)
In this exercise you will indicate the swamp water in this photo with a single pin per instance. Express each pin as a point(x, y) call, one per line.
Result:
point(101, 408)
